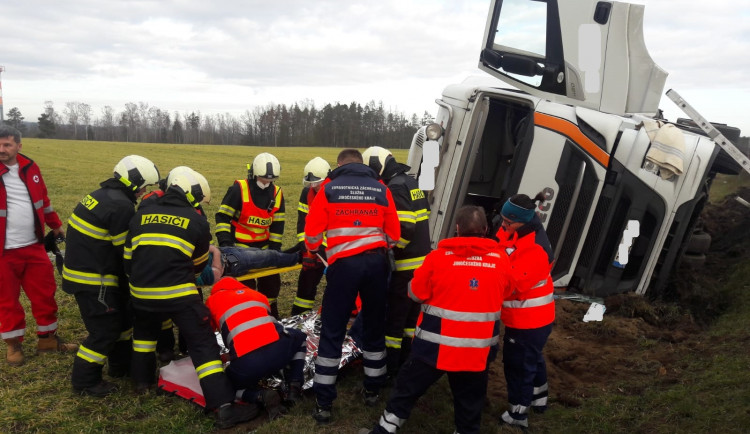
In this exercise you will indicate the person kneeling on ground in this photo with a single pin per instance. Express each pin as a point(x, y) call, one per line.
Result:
point(258, 345)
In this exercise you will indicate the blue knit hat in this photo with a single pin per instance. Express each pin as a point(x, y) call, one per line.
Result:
point(515, 213)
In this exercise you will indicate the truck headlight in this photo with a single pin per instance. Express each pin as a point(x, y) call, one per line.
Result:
point(433, 131)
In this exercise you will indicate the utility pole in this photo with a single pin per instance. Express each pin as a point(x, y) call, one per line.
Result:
point(2, 114)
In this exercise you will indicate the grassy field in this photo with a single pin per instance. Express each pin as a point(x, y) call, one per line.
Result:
point(37, 397)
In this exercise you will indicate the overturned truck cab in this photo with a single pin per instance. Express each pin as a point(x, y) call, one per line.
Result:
point(624, 188)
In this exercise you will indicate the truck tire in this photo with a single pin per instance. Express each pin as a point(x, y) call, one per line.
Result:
point(693, 260)
point(699, 242)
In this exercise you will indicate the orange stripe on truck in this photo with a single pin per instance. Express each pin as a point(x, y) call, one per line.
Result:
point(572, 132)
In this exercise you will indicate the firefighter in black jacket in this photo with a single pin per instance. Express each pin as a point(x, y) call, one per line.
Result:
point(252, 214)
point(316, 170)
point(413, 214)
point(166, 248)
point(93, 273)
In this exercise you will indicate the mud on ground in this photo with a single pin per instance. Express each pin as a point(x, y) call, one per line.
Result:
point(642, 343)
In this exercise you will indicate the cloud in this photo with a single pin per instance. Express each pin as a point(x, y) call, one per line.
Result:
point(229, 56)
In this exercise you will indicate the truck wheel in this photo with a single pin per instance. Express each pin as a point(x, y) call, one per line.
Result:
point(693, 260)
point(699, 242)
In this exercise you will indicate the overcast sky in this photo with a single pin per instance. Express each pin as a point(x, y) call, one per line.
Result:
point(229, 56)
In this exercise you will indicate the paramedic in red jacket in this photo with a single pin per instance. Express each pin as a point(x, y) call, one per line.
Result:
point(357, 215)
point(258, 345)
point(24, 210)
point(460, 286)
point(528, 311)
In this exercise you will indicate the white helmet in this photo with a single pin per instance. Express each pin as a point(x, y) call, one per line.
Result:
point(190, 182)
point(136, 172)
point(316, 170)
point(376, 157)
point(267, 166)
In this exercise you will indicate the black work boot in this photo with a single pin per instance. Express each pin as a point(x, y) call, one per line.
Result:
point(294, 395)
point(99, 390)
point(270, 400)
point(370, 398)
point(229, 414)
point(322, 414)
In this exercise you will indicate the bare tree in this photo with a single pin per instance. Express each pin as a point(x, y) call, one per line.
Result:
point(71, 113)
point(108, 121)
point(130, 120)
point(84, 114)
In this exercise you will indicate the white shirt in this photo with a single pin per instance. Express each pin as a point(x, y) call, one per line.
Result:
point(19, 228)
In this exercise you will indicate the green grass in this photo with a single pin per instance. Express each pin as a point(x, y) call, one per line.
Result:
point(724, 185)
point(712, 394)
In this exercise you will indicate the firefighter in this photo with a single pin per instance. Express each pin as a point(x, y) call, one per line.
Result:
point(460, 287)
point(356, 213)
point(528, 310)
point(166, 247)
point(258, 345)
point(316, 170)
point(411, 249)
point(93, 273)
point(252, 214)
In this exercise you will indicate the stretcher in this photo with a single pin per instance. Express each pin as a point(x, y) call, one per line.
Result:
point(268, 271)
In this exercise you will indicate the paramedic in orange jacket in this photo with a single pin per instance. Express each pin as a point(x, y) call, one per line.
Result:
point(528, 311)
point(258, 345)
point(460, 286)
point(357, 214)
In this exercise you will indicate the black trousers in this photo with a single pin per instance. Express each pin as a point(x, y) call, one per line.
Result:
point(193, 320)
point(415, 377)
point(307, 289)
point(400, 320)
point(365, 274)
point(525, 370)
point(108, 318)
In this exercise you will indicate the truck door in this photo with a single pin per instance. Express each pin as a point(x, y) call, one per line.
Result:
point(586, 53)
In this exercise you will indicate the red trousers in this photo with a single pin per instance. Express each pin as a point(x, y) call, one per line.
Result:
point(31, 269)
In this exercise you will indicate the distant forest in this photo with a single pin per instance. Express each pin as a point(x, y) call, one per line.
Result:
point(302, 124)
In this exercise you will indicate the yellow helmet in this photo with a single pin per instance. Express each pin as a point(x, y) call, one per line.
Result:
point(376, 157)
point(136, 172)
point(193, 184)
point(316, 170)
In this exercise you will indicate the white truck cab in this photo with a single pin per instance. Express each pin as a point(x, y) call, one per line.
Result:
point(618, 219)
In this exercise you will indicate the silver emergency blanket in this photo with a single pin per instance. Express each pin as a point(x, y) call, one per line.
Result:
point(310, 324)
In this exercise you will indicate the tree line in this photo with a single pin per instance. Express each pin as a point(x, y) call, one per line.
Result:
point(273, 125)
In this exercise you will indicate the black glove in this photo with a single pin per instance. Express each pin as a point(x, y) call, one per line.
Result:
point(295, 248)
point(49, 242)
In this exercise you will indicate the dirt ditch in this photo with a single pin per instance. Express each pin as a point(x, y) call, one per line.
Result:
point(642, 342)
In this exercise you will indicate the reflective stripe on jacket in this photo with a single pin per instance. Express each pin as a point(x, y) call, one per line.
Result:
point(413, 215)
point(531, 303)
point(248, 212)
point(306, 198)
point(95, 238)
point(31, 176)
point(461, 286)
point(165, 250)
point(253, 223)
point(355, 212)
point(242, 316)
